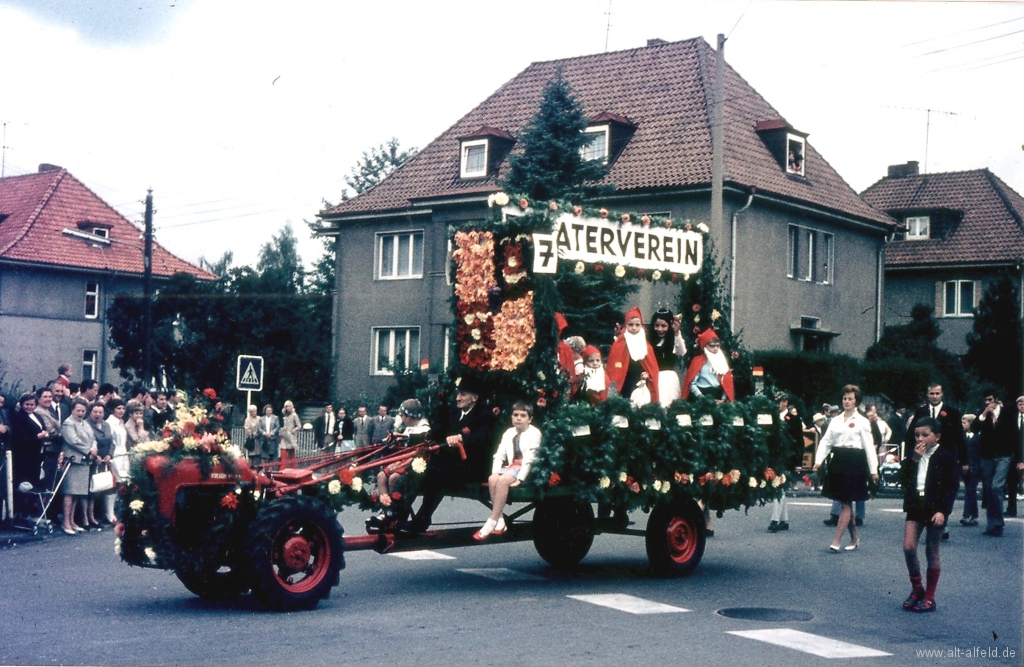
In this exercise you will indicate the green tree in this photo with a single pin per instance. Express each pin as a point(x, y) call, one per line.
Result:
point(994, 344)
point(551, 164)
point(375, 165)
point(218, 267)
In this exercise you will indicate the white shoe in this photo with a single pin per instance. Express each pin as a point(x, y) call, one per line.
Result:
point(499, 528)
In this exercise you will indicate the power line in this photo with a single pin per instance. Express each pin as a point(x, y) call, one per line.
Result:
point(971, 62)
point(963, 32)
point(742, 14)
point(979, 41)
point(995, 63)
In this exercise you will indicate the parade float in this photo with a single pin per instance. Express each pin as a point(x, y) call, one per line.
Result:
point(193, 505)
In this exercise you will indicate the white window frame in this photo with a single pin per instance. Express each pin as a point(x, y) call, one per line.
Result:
point(95, 293)
point(598, 129)
point(817, 245)
point(90, 359)
point(463, 169)
point(958, 291)
point(914, 224)
point(413, 234)
point(803, 152)
point(101, 232)
point(411, 361)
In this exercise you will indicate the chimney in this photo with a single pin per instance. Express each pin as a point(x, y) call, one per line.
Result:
point(44, 167)
point(656, 41)
point(903, 170)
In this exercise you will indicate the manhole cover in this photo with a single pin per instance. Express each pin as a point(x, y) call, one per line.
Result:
point(769, 614)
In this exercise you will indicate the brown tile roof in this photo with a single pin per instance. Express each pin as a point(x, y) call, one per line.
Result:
point(36, 208)
point(664, 90)
point(991, 229)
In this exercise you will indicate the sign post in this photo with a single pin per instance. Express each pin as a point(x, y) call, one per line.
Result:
point(249, 376)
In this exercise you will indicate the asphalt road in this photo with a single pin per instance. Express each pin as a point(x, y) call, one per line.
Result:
point(71, 601)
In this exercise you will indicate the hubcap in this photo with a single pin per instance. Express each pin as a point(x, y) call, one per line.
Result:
point(681, 540)
point(301, 556)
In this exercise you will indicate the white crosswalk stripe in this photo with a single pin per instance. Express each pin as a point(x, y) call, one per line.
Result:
point(422, 555)
point(805, 504)
point(628, 603)
point(824, 647)
point(500, 574)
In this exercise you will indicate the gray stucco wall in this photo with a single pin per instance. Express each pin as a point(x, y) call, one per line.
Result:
point(905, 289)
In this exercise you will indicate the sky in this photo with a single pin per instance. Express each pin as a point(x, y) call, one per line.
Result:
point(246, 116)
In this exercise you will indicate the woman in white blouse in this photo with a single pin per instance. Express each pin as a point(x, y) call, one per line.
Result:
point(854, 458)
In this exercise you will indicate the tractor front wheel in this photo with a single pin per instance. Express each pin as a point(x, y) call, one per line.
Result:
point(563, 530)
point(675, 537)
point(295, 553)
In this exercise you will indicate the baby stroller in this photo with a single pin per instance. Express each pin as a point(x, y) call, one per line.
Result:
point(889, 467)
point(34, 503)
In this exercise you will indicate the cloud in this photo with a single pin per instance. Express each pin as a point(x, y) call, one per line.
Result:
point(109, 22)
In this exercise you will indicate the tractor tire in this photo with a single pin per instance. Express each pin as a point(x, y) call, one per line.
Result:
point(563, 530)
point(294, 553)
point(675, 537)
point(224, 583)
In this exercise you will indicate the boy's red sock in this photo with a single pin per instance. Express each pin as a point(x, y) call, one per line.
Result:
point(915, 582)
point(933, 582)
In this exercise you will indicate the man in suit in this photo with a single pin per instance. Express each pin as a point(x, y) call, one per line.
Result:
point(325, 428)
point(1016, 461)
point(381, 425)
point(269, 433)
point(159, 413)
point(469, 425)
point(949, 418)
point(998, 437)
point(361, 427)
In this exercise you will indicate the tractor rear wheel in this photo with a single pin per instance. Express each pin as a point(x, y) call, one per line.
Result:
point(675, 537)
point(294, 550)
point(221, 583)
point(563, 530)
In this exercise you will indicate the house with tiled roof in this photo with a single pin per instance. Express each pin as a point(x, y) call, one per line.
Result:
point(807, 251)
point(963, 229)
point(64, 255)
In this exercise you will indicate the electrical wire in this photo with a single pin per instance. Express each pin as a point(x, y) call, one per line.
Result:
point(963, 32)
point(978, 41)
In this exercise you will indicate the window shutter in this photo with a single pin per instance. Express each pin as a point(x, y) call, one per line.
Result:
point(940, 301)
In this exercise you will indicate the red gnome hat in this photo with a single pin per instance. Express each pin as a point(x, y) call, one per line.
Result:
point(561, 322)
point(590, 351)
point(706, 337)
point(633, 312)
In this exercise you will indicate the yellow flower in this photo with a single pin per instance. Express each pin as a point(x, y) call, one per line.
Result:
point(715, 315)
point(762, 484)
point(666, 487)
point(623, 476)
point(735, 475)
point(620, 271)
point(256, 495)
point(419, 465)
point(752, 483)
point(334, 487)
point(357, 484)
point(501, 199)
point(605, 483)
point(136, 506)
point(580, 267)
point(190, 443)
point(657, 485)
point(151, 554)
point(782, 479)
point(656, 275)
point(719, 476)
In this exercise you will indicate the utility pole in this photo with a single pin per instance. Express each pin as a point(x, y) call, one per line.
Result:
point(147, 290)
point(717, 150)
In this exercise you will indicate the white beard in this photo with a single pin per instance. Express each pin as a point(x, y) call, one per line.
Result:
point(636, 344)
point(594, 379)
point(718, 362)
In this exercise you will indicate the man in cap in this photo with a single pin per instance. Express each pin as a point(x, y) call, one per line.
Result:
point(709, 373)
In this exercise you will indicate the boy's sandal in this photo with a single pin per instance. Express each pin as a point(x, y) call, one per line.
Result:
point(925, 604)
point(912, 600)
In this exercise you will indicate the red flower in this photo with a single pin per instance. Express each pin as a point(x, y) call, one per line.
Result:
point(851, 424)
point(166, 432)
point(696, 330)
point(119, 529)
point(942, 414)
point(598, 268)
point(373, 498)
point(726, 479)
point(735, 354)
point(577, 210)
point(465, 430)
point(188, 428)
point(176, 443)
point(523, 203)
point(496, 410)
point(689, 226)
point(673, 278)
point(553, 206)
point(640, 273)
point(769, 474)
point(542, 402)
point(346, 476)
point(396, 495)
point(668, 224)
point(554, 394)
point(210, 394)
point(696, 307)
point(646, 219)
point(206, 422)
point(603, 212)
point(555, 479)
point(632, 485)
point(625, 217)
point(230, 501)
point(702, 480)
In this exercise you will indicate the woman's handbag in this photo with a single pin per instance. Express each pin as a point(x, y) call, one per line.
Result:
point(101, 482)
point(250, 444)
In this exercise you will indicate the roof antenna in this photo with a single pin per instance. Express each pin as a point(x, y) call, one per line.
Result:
point(608, 28)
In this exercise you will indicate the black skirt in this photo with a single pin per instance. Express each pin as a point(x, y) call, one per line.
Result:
point(847, 478)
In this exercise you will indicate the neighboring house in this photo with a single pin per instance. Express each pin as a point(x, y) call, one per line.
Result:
point(963, 230)
point(64, 254)
point(808, 248)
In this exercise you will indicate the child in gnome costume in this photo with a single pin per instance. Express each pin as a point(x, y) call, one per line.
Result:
point(709, 373)
point(632, 366)
point(595, 380)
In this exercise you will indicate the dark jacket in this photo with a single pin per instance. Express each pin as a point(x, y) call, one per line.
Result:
point(952, 431)
point(320, 430)
point(477, 431)
point(940, 485)
point(999, 440)
point(26, 448)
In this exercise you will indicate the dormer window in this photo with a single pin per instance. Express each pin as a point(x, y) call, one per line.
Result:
point(595, 144)
point(918, 227)
point(101, 232)
point(795, 151)
point(474, 159)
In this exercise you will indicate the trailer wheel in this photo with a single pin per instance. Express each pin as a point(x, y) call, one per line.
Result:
point(563, 530)
point(294, 551)
point(222, 583)
point(675, 537)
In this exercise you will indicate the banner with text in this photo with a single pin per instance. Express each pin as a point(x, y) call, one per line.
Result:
point(602, 241)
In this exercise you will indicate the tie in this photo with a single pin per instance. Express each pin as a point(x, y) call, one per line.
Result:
point(517, 453)
point(933, 412)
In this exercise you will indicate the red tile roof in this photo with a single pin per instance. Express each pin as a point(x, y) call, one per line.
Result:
point(36, 208)
point(991, 229)
point(664, 90)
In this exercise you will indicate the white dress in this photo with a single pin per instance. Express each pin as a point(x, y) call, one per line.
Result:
point(120, 455)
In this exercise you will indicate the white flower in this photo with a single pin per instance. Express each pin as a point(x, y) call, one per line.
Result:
point(735, 475)
point(117, 546)
point(580, 267)
point(513, 262)
point(604, 483)
point(762, 484)
point(620, 271)
point(136, 506)
point(643, 486)
point(490, 201)
point(541, 376)
point(151, 554)
point(623, 476)
point(469, 319)
point(752, 483)
point(357, 484)
point(419, 465)
point(666, 487)
point(702, 227)
point(256, 495)
point(776, 482)
point(334, 487)
point(656, 275)
point(501, 198)
point(476, 333)
point(715, 315)
point(190, 443)
point(719, 476)
point(657, 485)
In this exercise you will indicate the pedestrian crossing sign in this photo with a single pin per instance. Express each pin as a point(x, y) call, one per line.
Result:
point(249, 376)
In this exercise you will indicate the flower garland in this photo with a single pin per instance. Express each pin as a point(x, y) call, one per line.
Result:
point(514, 333)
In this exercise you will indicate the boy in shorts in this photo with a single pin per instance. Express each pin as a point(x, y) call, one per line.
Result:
point(512, 461)
point(930, 480)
